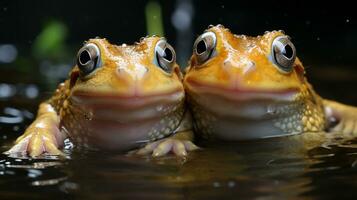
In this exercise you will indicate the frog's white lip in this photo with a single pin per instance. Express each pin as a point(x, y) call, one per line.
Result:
point(127, 109)
point(241, 94)
point(108, 100)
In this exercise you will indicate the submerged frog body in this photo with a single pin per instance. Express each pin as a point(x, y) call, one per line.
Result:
point(117, 98)
point(242, 87)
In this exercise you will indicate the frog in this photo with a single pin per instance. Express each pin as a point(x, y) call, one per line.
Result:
point(242, 87)
point(126, 98)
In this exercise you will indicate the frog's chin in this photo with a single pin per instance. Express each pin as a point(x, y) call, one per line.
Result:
point(111, 135)
point(117, 123)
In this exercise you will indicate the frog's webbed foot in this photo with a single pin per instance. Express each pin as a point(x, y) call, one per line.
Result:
point(42, 136)
point(165, 146)
point(35, 144)
point(342, 118)
point(179, 144)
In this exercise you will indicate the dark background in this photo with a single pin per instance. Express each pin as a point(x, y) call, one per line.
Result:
point(324, 33)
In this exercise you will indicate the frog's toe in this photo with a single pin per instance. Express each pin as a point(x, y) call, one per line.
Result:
point(148, 149)
point(338, 127)
point(346, 127)
point(40, 144)
point(163, 148)
point(20, 147)
point(178, 148)
point(349, 127)
point(190, 146)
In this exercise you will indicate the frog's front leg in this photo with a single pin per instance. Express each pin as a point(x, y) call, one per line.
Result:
point(42, 136)
point(179, 143)
point(344, 115)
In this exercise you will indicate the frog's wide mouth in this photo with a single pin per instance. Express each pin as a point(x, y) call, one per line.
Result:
point(125, 109)
point(242, 94)
point(126, 101)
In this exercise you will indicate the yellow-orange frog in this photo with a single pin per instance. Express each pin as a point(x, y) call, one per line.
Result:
point(242, 87)
point(117, 98)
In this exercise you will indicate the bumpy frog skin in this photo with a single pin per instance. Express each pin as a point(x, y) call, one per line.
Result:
point(117, 98)
point(242, 87)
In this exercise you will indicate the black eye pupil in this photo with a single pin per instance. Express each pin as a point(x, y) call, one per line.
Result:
point(168, 54)
point(201, 47)
point(84, 57)
point(288, 51)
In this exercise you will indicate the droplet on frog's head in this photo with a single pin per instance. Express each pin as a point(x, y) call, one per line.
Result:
point(271, 110)
point(220, 26)
point(281, 31)
point(159, 108)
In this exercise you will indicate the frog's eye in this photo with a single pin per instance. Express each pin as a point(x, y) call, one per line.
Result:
point(88, 58)
point(283, 54)
point(204, 47)
point(165, 56)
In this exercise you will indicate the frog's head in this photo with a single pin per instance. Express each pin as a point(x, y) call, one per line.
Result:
point(128, 90)
point(242, 67)
point(146, 69)
point(243, 87)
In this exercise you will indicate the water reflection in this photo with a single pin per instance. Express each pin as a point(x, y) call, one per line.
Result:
point(8, 91)
point(8, 53)
point(11, 116)
point(273, 169)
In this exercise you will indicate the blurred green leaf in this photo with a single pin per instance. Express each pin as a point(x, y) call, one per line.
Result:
point(50, 41)
point(154, 23)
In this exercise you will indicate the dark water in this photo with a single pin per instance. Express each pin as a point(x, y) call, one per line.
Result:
point(284, 168)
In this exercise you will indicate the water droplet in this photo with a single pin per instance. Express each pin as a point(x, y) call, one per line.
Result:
point(231, 184)
point(8, 53)
point(281, 31)
point(216, 184)
point(31, 91)
point(220, 26)
point(7, 90)
point(159, 108)
point(15, 128)
point(271, 110)
point(33, 173)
